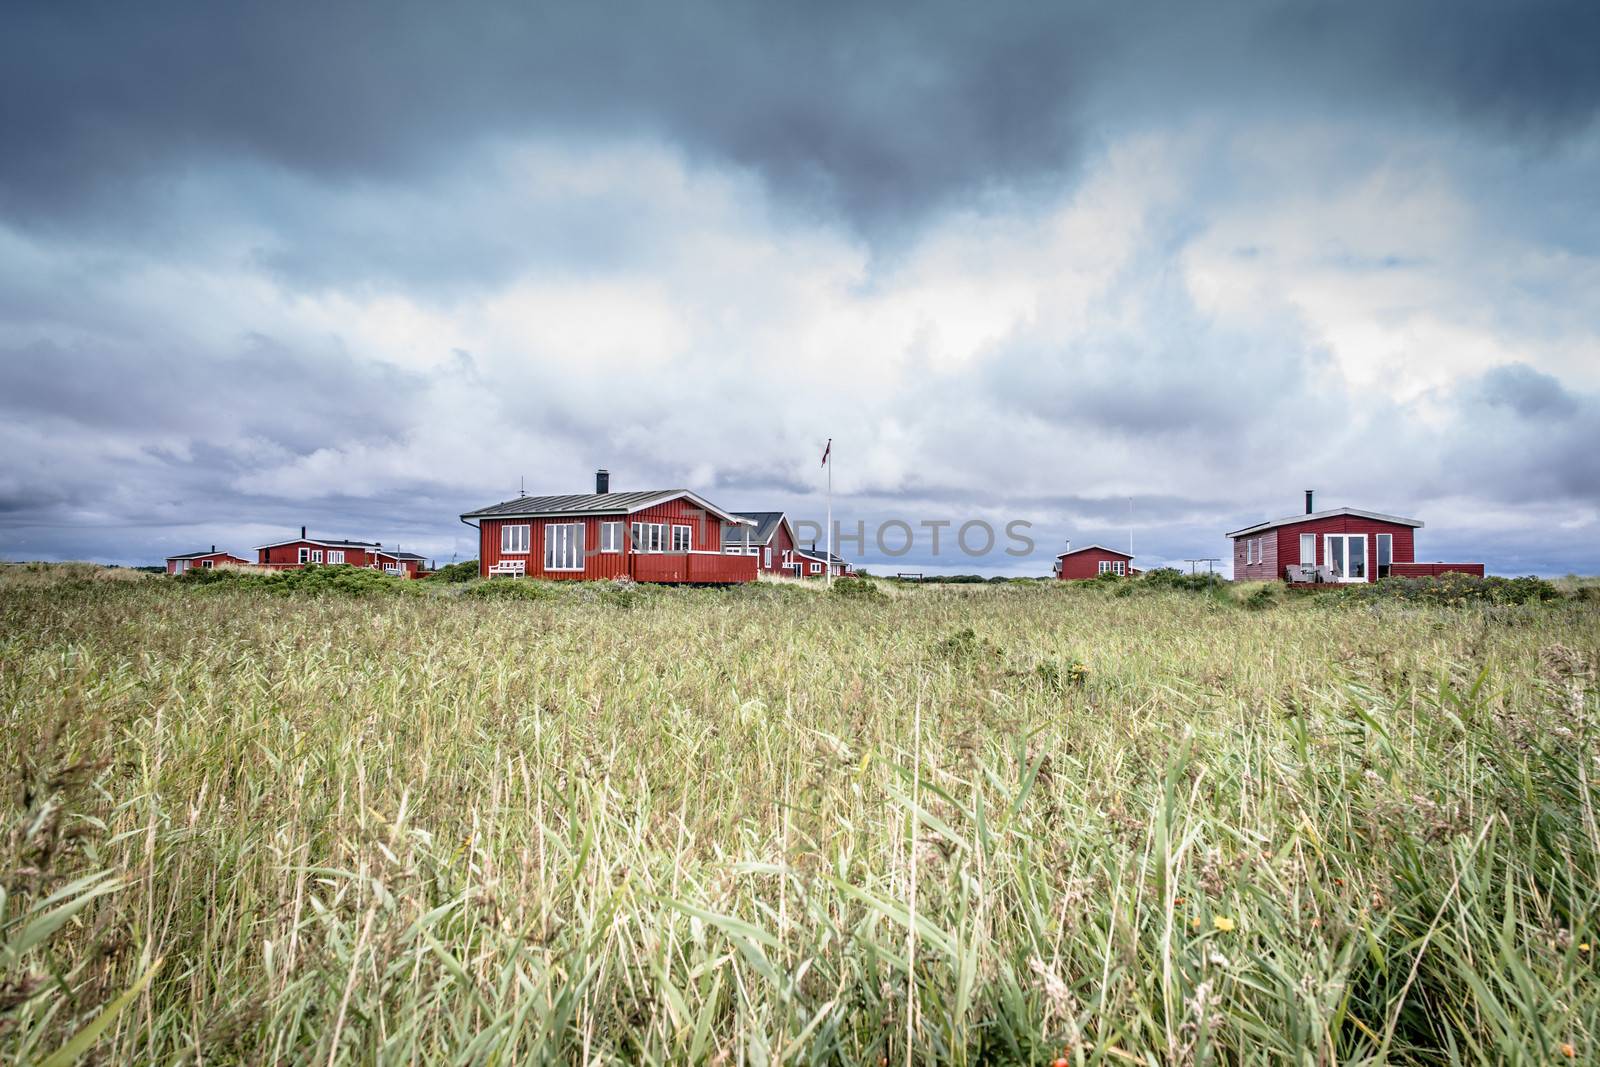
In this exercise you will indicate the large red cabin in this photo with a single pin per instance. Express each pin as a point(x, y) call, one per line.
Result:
point(1343, 545)
point(1091, 561)
point(202, 561)
point(663, 535)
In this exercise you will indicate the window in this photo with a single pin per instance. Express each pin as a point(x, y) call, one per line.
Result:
point(681, 538)
point(649, 537)
point(514, 540)
point(1308, 550)
point(305, 555)
point(611, 537)
point(816, 568)
point(392, 568)
point(1119, 567)
point(1105, 566)
point(766, 557)
point(563, 546)
point(336, 556)
point(1385, 549)
point(205, 563)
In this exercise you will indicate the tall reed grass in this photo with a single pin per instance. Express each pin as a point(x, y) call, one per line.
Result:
point(760, 826)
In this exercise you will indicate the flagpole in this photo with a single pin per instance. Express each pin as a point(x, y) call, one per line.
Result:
point(827, 568)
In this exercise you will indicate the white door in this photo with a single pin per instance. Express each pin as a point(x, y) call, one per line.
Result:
point(1346, 555)
point(1308, 550)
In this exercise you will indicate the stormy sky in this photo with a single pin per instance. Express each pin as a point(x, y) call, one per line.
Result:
point(363, 268)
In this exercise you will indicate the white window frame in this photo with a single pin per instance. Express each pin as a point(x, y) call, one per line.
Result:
point(611, 537)
point(393, 568)
point(205, 564)
point(649, 537)
point(563, 541)
point(687, 535)
point(1105, 567)
point(305, 554)
point(515, 539)
point(1312, 538)
point(766, 557)
point(1120, 568)
point(335, 555)
point(1382, 545)
point(316, 555)
point(1366, 555)
point(816, 568)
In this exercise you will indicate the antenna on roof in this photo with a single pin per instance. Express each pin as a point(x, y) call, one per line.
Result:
point(522, 485)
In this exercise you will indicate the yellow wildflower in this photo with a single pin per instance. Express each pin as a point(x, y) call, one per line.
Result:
point(1223, 923)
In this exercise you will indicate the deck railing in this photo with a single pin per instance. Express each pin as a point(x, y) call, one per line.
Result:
point(709, 567)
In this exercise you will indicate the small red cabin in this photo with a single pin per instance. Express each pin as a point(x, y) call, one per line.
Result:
point(810, 563)
point(302, 551)
point(1091, 562)
point(202, 560)
point(1343, 545)
point(661, 535)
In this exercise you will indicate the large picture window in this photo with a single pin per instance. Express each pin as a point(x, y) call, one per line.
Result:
point(681, 538)
point(514, 540)
point(649, 537)
point(563, 546)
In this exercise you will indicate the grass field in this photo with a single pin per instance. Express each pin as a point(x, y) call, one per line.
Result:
point(762, 825)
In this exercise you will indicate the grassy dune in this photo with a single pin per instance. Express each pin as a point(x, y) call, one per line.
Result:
point(770, 825)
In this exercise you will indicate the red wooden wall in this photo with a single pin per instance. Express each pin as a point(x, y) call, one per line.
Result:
point(705, 537)
point(1085, 563)
point(1280, 546)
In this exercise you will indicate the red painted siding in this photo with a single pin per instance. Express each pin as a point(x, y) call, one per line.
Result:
point(1085, 563)
point(705, 539)
point(214, 558)
point(288, 555)
point(1433, 570)
point(782, 547)
point(1280, 546)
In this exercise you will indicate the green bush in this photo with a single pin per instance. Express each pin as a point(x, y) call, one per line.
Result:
point(857, 588)
point(465, 571)
point(512, 589)
point(1456, 588)
point(339, 579)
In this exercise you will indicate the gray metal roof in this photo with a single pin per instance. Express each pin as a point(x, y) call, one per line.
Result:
point(1102, 548)
point(324, 542)
point(207, 552)
point(1330, 514)
point(538, 507)
point(398, 555)
point(766, 524)
point(817, 554)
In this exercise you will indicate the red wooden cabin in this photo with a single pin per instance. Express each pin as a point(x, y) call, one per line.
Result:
point(298, 552)
point(203, 560)
point(1091, 561)
point(661, 535)
point(771, 540)
point(1343, 545)
point(810, 563)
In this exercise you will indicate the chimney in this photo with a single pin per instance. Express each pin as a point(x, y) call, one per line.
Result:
point(213, 550)
point(1308, 501)
point(302, 533)
point(602, 481)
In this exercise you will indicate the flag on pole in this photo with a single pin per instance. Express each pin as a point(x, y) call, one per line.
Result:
point(825, 452)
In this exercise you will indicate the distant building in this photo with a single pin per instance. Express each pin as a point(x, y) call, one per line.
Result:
point(202, 560)
point(814, 562)
point(302, 551)
point(1091, 561)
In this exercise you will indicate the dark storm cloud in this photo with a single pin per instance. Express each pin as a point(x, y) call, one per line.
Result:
point(880, 114)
